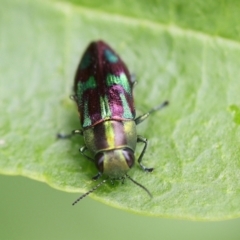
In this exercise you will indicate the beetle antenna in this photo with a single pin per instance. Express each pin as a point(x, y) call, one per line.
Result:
point(162, 105)
point(90, 191)
point(140, 185)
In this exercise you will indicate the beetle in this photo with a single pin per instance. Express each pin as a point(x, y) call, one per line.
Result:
point(103, 94)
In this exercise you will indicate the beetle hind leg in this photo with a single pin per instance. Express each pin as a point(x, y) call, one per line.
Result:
point(143, 140)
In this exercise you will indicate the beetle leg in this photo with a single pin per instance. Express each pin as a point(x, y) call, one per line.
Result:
point(143, 140)
point(77, 131)
point(66, 136)
point(82, 151)
point(73, 97)
point(145, 116)
point(133, 79)
point(97, 176)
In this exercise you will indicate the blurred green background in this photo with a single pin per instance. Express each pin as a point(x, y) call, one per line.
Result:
point(32, 210)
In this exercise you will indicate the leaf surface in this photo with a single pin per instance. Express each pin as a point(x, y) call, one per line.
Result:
point(182, 53)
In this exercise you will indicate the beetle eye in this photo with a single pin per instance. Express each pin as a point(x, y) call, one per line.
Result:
point(99, 161)
point(129, 156)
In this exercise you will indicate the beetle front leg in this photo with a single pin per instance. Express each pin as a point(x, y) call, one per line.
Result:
point(82, 151)
point(66, 136)
point(143, 140)
point(146, 115)
point(97, 176)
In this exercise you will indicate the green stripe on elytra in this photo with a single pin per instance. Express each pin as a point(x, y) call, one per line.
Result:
point(126, 110)
point(83, 86)
point(105, 108)
point(87, 120)
point(119, 80)
point(110, 56)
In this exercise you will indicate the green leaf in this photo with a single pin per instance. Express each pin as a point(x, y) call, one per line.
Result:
point(186, 52)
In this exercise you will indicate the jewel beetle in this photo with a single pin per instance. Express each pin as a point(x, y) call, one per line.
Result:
point(103, 94)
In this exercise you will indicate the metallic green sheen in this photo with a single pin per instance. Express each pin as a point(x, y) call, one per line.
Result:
point(110, 56)
point(121, 80)
point(126, 110)
point(86, 61)
point(105, 108)
point(89, 84)
point(87, 119)
point(83, 86)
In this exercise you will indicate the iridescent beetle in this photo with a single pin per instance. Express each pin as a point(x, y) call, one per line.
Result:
point(103, 94)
